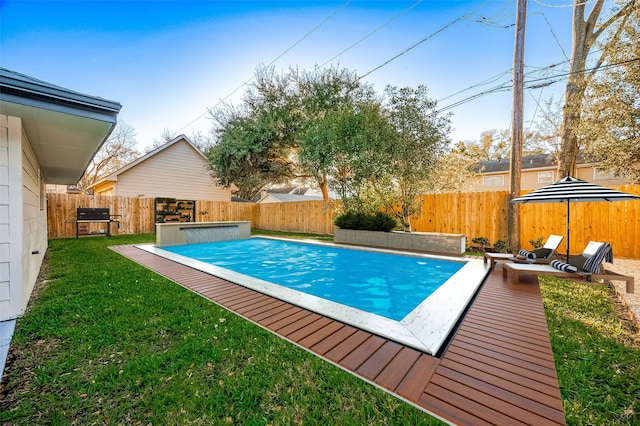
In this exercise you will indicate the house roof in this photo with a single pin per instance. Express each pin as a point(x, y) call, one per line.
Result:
point(539, 161)
point(292, 197)
point(114, 176)
point(287, 194)
point(65, 128)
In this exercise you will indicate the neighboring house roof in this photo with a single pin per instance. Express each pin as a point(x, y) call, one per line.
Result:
point(240, 200)
point(287, 194)
point(298, 190)
point(113, 177)
point(287, 198)
point(64, 128)
point(528, 162)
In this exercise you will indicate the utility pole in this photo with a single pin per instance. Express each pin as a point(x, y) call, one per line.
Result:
point(513, 215)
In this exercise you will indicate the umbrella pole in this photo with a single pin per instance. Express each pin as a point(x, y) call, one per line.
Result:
point(568, 231)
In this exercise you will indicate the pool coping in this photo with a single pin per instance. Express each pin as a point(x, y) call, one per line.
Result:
point(441, 310)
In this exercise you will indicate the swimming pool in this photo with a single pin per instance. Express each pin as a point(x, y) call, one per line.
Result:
point(410, 298)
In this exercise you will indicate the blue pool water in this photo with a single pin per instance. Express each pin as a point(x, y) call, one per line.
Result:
point(385, 284)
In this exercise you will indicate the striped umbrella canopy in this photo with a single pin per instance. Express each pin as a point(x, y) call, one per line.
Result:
point(570, 189)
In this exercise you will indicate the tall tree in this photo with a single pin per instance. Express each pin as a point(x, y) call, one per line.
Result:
point(419, 137)
point(349, 145)
point(118, 151)
point(610, 129)
point(585, 33)
point(254, 142)
point(273, 137)
point(327, 101)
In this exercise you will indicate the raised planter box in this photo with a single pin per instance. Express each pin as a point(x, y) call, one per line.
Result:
point(419, 241)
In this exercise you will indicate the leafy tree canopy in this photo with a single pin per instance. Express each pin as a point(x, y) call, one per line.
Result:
point(609, 131)
point(328, 127)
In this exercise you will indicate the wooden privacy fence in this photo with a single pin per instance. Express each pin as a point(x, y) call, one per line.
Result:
point(481, 214)
point(484, 214)
point(136, 214)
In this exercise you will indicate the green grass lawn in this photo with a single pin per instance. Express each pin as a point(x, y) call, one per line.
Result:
point(596, 351)
point(106, 341)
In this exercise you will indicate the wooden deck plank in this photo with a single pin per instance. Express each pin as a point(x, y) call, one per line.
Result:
point(493, 399)
point(478, 352)
point(347, 346)
point(534, 381)
point(485, 333)
point(361, 354)
point(291, 327)
point(312, 328)
point(377, 362)
point(497, 369)
point(397, 369)
point(509, 331)
point(509, 350)
point(330, 337)
point(418, 377)
point(545, 397)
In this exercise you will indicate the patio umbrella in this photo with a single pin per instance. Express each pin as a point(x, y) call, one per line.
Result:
point(570, 189)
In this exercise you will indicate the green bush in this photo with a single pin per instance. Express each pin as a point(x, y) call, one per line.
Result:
point(481, 241)
point(500, 246)
point(362, 221)
point(383, 222)
point(537, 243)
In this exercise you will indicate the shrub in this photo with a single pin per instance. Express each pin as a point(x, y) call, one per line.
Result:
point(483, 242)
point(537, 243)
point(371, 222)
point(500, 246)
point(383, 222)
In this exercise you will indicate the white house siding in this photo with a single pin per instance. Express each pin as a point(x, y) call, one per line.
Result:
point(5, 235)
point(21, 207)
point(177, 172)
point(34, 217)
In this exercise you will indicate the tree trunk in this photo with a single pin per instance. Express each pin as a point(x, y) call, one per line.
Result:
point(323, 188)
point(584, 36)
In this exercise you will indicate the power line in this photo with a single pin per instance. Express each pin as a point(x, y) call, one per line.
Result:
point(563, 5)
point(465, 16)
point(482, 83)
point(374, 31)
point(324, 21)
point(553, 33)
point(414, 46)
point(544, 82)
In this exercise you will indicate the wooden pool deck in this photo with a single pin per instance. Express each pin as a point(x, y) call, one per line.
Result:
point(498, 369)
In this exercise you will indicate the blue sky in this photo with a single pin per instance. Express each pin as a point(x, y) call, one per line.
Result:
point(166, 62)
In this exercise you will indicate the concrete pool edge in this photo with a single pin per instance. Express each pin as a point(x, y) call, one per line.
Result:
point(441, 313)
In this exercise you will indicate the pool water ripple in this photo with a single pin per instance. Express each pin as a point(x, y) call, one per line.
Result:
point(390, 285)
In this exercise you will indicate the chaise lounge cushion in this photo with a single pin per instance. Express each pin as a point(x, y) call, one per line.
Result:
point(527, 254)
point(542, 253)
point(578, 262)
point(564, 267)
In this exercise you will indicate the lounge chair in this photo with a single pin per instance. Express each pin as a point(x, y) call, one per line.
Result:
point(543, 254)
point(588, 266)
